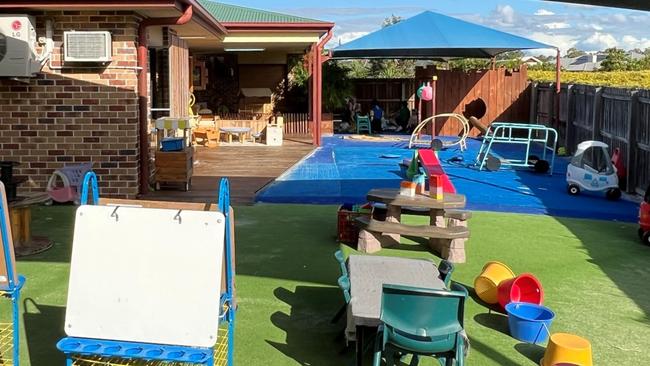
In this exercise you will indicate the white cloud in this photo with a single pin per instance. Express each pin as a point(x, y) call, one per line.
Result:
point(563, 42)
point(505, 15)
point(599, 41)
point(557, 25)
point(544, 12)
point(346, 37)
point(631, 42)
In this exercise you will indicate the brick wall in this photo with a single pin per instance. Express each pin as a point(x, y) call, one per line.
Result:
point(75, 115)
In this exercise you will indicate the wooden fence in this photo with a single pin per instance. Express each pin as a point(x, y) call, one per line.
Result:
point(504, 94)
point(618, 117)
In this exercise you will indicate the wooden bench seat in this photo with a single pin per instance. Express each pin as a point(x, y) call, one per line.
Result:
point(460, 215)
point(448, 241)
point(425, 231)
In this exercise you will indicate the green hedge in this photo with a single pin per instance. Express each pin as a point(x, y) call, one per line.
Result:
point(623, 79)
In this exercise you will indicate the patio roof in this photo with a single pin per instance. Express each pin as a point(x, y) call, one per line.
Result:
point(227, 13)
point(630, 4)
point(433, 35)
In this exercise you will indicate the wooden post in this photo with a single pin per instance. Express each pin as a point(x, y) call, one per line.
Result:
point(433, 105)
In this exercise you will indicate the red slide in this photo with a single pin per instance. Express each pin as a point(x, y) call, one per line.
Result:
point(431, 165)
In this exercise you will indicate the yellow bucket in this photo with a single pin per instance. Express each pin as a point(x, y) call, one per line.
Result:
point(567, 349)
point(488, 281)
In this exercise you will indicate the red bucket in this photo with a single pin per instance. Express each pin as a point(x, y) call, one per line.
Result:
point(523, 288)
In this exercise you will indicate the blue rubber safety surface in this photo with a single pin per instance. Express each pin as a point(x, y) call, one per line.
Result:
point(344, 170)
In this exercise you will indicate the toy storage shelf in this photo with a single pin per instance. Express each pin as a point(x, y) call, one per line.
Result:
point(174, 167)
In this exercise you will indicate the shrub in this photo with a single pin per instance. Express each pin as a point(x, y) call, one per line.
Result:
point(623, 79)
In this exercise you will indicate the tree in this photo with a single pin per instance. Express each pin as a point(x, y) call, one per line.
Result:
point(336, 86)
point(393, 19)
point(510, 56)
point(574, 52)
point(467, 64)
point(618, 60)
point(358, 69)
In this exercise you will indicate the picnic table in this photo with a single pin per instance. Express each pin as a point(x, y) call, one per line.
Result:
point(239, 131)
point(368, 274)
point(446, 239)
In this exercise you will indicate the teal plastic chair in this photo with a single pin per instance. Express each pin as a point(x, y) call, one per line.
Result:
point(420, 322)
point(344, 285)
point(341, 259)
point(445, 268)
point(363, 123)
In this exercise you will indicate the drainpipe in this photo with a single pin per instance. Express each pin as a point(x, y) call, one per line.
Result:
point(143, 91)
point(318, 113)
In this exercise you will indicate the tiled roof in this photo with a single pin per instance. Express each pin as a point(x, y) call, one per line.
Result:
point(227, 13)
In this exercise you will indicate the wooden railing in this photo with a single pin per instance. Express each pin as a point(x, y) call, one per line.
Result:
point(296, 124)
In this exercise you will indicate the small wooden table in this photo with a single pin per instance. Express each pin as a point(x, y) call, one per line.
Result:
point(371, 241)
point(208, 136)
point(241, 132)
point(368, 274)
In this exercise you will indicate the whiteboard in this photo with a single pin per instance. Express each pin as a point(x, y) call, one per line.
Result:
point(146, 275)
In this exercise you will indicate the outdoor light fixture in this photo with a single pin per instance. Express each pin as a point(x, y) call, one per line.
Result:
point(244, 49)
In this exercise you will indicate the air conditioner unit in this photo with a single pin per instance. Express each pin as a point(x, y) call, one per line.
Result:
point(17, 40)
point(82, 46)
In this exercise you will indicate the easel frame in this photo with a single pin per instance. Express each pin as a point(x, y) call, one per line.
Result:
point(12, 286)
point(220, 355)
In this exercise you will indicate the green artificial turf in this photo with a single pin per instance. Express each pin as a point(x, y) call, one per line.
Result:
point(595, 274)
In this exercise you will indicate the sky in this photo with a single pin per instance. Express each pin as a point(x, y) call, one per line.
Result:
point(587, 28)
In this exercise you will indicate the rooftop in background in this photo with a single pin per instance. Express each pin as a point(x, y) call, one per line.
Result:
point(227, 13)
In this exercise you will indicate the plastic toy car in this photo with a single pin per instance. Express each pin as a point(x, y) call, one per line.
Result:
point(591, 169)
point(644, 218)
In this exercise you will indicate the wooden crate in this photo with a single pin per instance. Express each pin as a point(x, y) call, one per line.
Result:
point(174, 167)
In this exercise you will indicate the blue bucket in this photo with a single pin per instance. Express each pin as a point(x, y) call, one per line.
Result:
point(529, 323)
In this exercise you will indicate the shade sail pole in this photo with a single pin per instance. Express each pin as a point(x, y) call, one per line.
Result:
point(433, 105)
point(558, 71)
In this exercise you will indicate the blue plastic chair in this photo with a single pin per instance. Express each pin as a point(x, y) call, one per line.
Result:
point(363, 123)
point(421, 322)
point(445, 268)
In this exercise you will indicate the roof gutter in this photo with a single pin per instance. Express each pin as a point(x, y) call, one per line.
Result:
point(236, 27)
point(143, 88)
point(89, 4)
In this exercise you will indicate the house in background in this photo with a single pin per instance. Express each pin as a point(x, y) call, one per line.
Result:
point(531, 61)
point(95, 102)
point(588, 62)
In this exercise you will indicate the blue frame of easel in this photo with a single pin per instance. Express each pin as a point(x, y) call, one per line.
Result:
point(72, 346)
point(12, 288)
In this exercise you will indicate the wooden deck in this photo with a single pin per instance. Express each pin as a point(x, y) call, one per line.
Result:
point(249, 168)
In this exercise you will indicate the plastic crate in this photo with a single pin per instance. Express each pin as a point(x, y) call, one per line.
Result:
point(172, 144)
point(348, 232)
